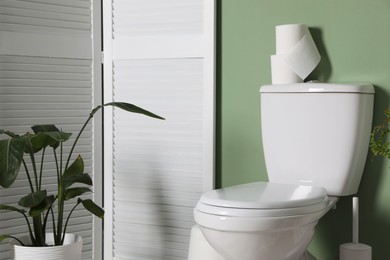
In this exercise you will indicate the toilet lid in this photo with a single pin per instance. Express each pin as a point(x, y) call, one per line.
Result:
point(263, 198)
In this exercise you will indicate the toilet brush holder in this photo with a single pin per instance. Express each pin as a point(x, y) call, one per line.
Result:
point(355, 250)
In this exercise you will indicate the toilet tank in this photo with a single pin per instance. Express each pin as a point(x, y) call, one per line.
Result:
point(317, 134)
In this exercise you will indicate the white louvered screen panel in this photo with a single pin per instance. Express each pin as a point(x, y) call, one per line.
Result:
point(161, 58)
point(46, 78)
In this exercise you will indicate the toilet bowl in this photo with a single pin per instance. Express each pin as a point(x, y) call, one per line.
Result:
point(315, 140)
point(261, 220)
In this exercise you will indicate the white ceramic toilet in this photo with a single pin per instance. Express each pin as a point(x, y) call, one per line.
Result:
point(315, 141)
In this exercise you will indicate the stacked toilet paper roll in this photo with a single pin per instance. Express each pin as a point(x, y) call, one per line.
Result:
point(296, 54)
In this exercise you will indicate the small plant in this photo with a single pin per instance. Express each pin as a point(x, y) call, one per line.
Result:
point(38, 202)
point(379, 144)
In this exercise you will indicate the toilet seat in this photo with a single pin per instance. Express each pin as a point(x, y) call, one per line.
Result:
point(263, 199)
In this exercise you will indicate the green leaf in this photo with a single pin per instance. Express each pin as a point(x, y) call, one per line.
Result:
point(76, 168)
point(53, 132)
point(72, 179)
point(92, 207)
point(9, 133)
point(11, 208)
point(34, 142)
point(44, 139)
point(27, 140)
point(75, 192)
point(35, 211)
point(39, 141)
point(59, 136)
point(44, 128)
point(129, 108)
point(32, 199)
point(75, 173)
point(11, 157)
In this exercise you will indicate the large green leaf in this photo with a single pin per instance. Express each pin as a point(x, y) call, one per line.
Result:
point(59, 136)
point(92, 207)
point(41, 207)
point(53, 133)
point(72, 179)
point(76, 168)
point(44, 128)
point(75, 173)
point(33, 199)
point(129, 108)
point(75, 192)
point(11, 208)
point(39, 141)
point(9, 133)
point(11, 157)
point(35, 142)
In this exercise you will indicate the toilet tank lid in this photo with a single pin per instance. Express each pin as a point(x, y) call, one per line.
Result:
point(264, 195)
point(315, 87)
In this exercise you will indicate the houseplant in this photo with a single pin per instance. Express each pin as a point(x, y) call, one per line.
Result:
point(72, 182)
point(379, 145)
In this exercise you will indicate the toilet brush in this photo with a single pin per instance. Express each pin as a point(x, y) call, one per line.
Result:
point(355, 250)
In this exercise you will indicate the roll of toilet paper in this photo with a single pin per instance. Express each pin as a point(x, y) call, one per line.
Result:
point(287, 36)
point(281, 72)
point(296, 54)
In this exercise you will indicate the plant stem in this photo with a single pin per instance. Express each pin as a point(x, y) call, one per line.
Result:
point(37, 221)
point(33, 240)
point(67, 220)
point(60, 202)
point(58, 195)
point(54, 223)
point(34, 169)
point(79, 134)
point(57, 167)
point(46, 217)
point(39, 236)
point(41, 170)
point(17, 239)
point(28, 176)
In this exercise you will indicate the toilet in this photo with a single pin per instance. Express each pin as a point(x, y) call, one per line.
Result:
point(315, 140)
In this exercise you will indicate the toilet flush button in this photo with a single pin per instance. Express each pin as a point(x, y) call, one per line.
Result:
point(306, 181)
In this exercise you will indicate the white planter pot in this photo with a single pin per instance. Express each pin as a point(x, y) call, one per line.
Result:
point(71, 250)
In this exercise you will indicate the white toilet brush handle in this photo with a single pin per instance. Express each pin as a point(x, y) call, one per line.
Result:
point(355, 250)
point(355, 220)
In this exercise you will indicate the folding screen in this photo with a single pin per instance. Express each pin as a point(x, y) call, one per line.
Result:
point(46, 78)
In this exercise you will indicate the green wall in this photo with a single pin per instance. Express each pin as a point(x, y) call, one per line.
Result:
point(354, 40)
